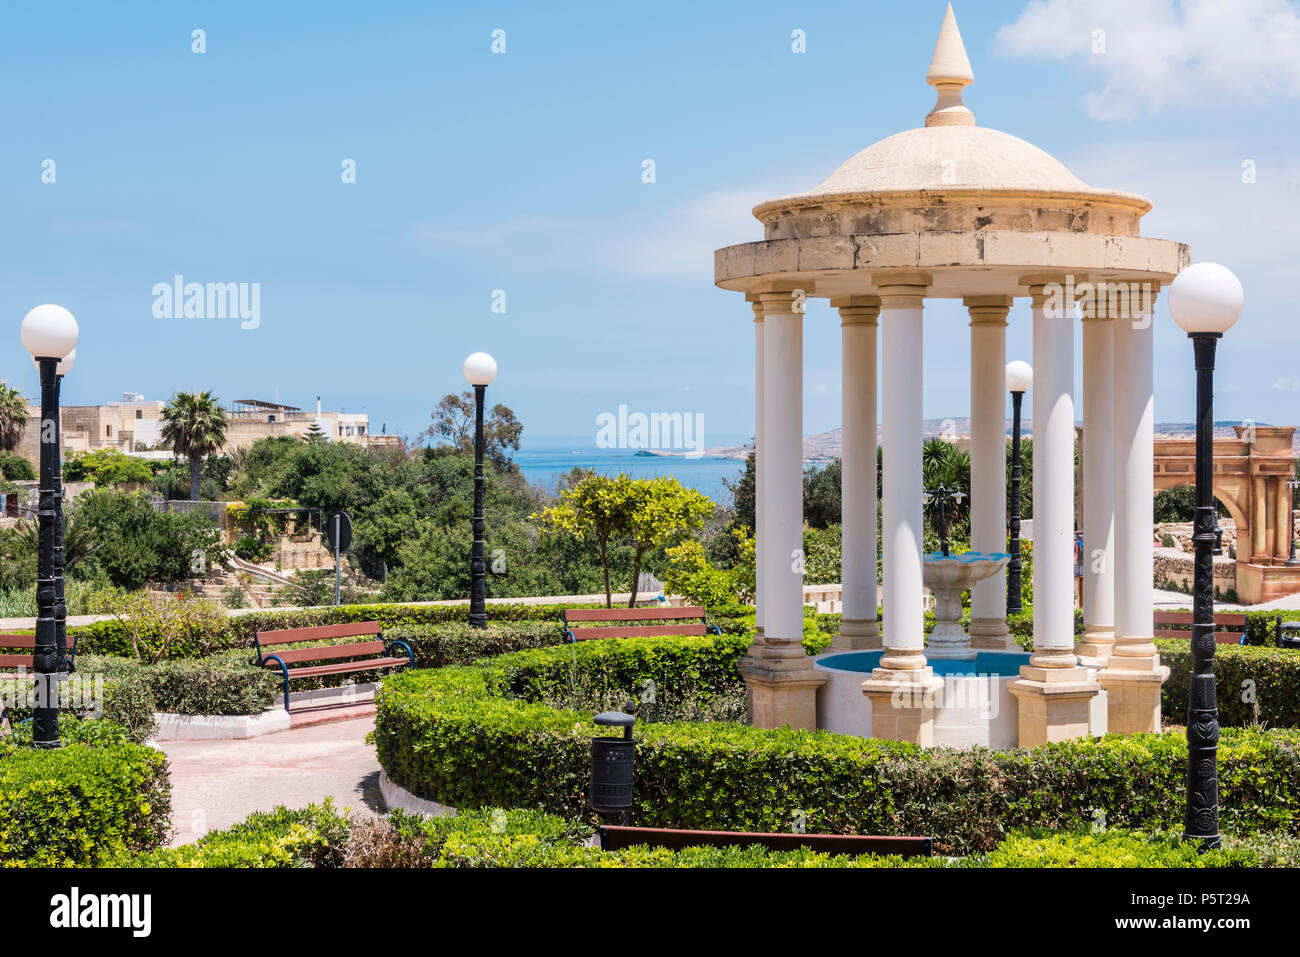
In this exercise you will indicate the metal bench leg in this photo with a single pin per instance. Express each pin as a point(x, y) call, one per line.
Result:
point(284, 670)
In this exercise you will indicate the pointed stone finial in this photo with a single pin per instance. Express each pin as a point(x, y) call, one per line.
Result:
point(949, 72)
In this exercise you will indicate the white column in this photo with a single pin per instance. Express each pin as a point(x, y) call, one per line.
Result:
point(988, 463)
point(781, 478)
point(901, 310)
point(1098, 460)
point(858, 323)
point(1053, 418)
point(758, 471)
point(1133, 673)
point(1134, 490)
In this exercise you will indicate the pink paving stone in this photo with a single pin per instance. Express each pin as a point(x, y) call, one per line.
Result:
point(217, 783)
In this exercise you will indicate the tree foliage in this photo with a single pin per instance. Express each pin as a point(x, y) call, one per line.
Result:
point(195, 425)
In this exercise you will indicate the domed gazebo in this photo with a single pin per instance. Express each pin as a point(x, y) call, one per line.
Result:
point(957, 211)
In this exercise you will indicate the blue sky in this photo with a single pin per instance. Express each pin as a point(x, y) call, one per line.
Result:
point(522, 172)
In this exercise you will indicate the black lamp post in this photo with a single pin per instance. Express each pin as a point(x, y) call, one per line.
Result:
point(49, 333)
point(480, 369)
point(1019, 378)
point(942, 496)
point(1205, 300)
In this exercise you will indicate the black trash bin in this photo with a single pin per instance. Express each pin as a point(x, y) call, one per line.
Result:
point(612, 761)
point(1287, 633)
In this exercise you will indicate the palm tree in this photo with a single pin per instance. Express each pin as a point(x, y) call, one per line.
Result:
point(943, 466)
point(13, 417)
point(195, 426)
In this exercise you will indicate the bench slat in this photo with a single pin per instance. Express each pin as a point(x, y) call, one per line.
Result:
point(633, 614)
point(346, 666)
point(1185, 618)
point(17, 661)
point(613, 838)
point(319, 633)
point(17, 641)
point(330, 651)
point(645, 631)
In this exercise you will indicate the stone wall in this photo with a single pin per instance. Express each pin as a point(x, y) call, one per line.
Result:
point(1174, 571)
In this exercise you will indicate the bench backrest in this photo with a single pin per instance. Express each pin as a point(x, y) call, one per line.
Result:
point(1229, 628)
point(613, 838)
point(616, 622)
point(10, 642)
point(289, 636)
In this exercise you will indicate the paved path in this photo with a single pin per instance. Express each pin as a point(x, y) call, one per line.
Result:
point(218, 783)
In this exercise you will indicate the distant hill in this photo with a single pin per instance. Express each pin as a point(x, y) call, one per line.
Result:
point(826, 446)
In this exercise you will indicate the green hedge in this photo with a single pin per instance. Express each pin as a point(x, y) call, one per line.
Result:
point(109, 638)
point(226, 683)
point(457, 736)
point(492, 837)
point(1269, 676)
point(88, 803)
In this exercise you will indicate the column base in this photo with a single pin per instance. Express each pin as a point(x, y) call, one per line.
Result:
point(780, 695)
point(902, 704)
point(1134, 697)
point(1054, 704)
point(1097, 642)
point(857, 634)
point(992, 634)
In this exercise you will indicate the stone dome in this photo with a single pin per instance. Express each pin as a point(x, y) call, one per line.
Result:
point(950, 157)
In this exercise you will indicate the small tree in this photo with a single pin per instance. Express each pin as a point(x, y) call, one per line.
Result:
point(663, 512)
point(453, 420)
point(599, 505)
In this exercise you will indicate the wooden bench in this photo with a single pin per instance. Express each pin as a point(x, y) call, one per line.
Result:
point(616, 622)
point(615, 837)
point(1229, 629)
point(28, 660)
point(25, 661)
point(343, 659)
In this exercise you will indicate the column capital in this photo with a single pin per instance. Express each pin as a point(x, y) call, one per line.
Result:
point(757, 304)
point(857, 310)
point(902, 289)
point(781, 297)
point(988, 310)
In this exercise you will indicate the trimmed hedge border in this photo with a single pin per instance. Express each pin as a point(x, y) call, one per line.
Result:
point(316, 836)
point(88, 803)
point(1252, 683)
point(471, 737)
point(109, 638)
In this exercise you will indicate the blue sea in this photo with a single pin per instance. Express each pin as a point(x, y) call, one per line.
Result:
point(545, 459)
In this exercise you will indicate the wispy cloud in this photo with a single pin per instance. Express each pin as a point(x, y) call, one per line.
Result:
point(1155, 54)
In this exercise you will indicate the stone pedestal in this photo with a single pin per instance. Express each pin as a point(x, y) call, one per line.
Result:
point(902, 704)
point(857, 634)
point(1054, 703)
point(1134, 697)
point(991, 634)
point(782, 693)
point(1096, 643)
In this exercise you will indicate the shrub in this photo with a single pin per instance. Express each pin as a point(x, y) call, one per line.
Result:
point(227, 683)
point(475, 736)
point(251, 549)
point(1085, 847)
point(83, 804)
point(312, 837)
point(457, 643)
point(1253, 684)
point(152, 625)
point(494, 837)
